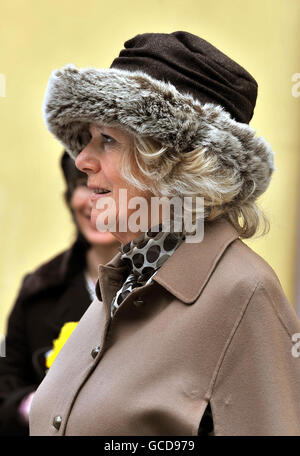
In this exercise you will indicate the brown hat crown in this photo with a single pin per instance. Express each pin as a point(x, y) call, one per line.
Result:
point(194, 67)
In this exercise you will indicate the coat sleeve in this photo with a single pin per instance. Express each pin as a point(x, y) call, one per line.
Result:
point(257, 386)
point(15, 377)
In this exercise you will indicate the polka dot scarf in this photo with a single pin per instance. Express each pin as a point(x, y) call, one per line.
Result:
point(144, 256)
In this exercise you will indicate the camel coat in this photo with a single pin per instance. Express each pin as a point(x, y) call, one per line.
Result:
point(214, 327)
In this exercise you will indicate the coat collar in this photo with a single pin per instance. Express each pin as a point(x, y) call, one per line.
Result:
point(189, 268)
point(187, 271)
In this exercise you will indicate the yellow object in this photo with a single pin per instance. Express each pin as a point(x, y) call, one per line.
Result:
point(58, 343)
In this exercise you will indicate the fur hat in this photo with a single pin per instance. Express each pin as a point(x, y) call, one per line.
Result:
point(175, 88)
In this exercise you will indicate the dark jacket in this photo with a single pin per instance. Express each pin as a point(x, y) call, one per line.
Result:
point(49, 297)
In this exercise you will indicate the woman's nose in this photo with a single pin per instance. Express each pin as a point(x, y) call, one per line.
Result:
point(86, 161)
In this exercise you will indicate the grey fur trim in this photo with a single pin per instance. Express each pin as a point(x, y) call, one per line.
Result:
point(145, 106)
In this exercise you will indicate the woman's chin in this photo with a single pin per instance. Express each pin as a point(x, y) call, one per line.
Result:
point(97, 233)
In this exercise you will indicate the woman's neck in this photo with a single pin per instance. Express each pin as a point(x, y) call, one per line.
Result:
point(99, 254)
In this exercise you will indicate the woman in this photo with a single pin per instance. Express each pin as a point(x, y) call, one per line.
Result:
point(180, 331)
point(51, 301)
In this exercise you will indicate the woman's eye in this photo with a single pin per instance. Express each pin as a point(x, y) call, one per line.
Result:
point(107, 139)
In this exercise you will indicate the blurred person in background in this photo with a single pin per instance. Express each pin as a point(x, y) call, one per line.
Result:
point(49, 305)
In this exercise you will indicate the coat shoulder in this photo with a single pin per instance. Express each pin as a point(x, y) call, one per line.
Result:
point(243, 276)
point(248, 268)
point(54, 272)
point(269, 290)
point(43, 276)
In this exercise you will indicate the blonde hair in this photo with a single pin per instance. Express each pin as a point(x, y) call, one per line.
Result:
point(149, 166)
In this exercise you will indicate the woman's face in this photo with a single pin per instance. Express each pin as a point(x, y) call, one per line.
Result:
point(81, 205)
point(101, 161)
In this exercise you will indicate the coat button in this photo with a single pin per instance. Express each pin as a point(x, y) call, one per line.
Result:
point(57, 421)
point(138, 302)
point(95, 351)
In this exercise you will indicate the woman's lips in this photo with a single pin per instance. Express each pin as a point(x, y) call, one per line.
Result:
point(95, 196)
